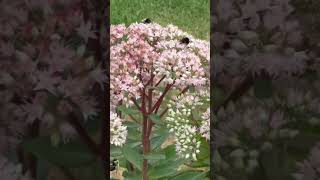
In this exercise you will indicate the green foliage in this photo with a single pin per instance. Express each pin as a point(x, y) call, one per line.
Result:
point(42, 169)
point(67, 155)
point(263, 88)
point(166, 167)
point(192, 16)
point(191, 176)
point(155, 156)
point(72, 157)
point(156, 118)
point(203, 159)
point(133, 156)
point(132, 175)
point(158, 140)
point(127, 111)
point(92, 171)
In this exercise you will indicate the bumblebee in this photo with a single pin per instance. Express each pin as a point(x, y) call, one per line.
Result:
point(185, 40)
point(114, 165)
point(147, 21)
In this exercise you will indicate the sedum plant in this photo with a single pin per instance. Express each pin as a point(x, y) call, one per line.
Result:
point(159, 83)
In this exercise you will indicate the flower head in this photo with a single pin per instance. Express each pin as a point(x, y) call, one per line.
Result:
point(117, 130)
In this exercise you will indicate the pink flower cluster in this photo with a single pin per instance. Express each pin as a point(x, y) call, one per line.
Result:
point(142, 51)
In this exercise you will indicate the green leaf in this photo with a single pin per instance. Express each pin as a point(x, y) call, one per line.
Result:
point(218, 96)
point(163, 171)
point(98, 171)
point(191, 176)
point(155, 156)
point(217, 158)
point(130, 124)
point(158, 140)
point(42, 169)
point(133, 156)
point(263, 88)
point(128, 110)
point(55, 139)
point(204, 155)
point(115, 151)
point(303, 142)
point(204, 150)
point(165, 168)
point(92, 171)
point(93, 124)
point(170, 152)
point(156, 118)
point(221, 178)
point(134, 134)
point(67, 155)
point(132, 143)
point(81, 50)
point(131, 175)
point(276, 163)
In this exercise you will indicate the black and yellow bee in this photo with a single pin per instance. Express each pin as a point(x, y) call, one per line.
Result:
point(185, 40)
point(114, 164)
point(147, 21)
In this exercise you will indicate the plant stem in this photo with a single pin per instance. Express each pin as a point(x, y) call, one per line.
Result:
point(147, 123)
point(150, 123)
point(136, 103)
point(160, 81)
point(147, 126)
point(146, 150)
point(134, 119)
point(235, 94)
point(158, 103)
point(83, 134)
point(145, 138)
point(30, 161)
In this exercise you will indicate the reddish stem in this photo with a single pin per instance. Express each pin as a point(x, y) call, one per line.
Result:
point(184, 90)
point(84, 6)
point(150, 80)
point(73, 120)
point(147, 123)
point(164, 112)
point(145, 139)
point(158, 103)
point(134, 119)
point(150, 123)
point(160, 81)
point(136, 103)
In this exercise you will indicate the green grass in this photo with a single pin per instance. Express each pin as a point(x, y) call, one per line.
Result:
point(192, 16)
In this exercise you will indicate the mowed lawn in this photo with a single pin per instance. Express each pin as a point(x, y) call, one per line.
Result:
point(192, 16)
